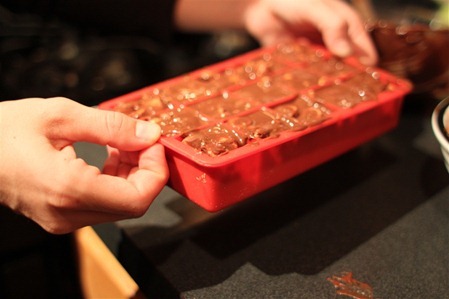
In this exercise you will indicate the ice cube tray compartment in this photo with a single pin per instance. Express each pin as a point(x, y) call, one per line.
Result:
point(238, 127)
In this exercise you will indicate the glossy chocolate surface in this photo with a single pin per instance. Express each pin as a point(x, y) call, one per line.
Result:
point(288, 88)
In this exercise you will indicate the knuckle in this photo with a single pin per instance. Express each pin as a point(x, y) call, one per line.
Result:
point(115, 122)
point(138, 210)
point(57, 200)
point(338, 24)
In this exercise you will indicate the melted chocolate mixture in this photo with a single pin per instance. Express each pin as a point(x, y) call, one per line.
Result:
point(289, 88)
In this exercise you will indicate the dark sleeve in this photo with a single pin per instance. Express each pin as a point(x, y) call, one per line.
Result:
point(150, 17)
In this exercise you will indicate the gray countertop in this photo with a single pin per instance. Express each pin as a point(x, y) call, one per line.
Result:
point(379, 212)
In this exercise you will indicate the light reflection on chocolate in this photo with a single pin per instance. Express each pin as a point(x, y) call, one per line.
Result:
point(266, 90)
point(254, 69)
point(332, 67)
point(223, 106)
point(299, 52)
point(259, 67)
point(188, 89)
point(214, 141)
point(262, 124)
point(366, 85)
point(304, 112)
point(339, 95)
point(297, 79)
point(179, 121)
point(242, 73)
point(147, 106)
point(347, 94)
point(219, 80)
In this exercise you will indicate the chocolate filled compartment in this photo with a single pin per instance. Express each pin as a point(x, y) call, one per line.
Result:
point(241, 126)
point(224, 105)
point(175, 122)
point(215, 140)
point(248, 129)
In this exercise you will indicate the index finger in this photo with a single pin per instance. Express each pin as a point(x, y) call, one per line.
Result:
point(344, 25)
point(342, 30)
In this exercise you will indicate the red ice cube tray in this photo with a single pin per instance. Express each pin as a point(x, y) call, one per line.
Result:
point(241, 126)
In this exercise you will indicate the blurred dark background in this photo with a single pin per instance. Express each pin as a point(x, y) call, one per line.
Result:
point(42, 58)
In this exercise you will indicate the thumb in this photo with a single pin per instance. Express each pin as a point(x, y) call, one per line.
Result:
point(82, 123)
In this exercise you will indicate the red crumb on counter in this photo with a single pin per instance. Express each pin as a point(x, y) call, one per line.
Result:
point(346, 285)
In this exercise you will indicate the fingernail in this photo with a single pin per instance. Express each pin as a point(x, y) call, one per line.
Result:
point(342, 48)
point(147, 131)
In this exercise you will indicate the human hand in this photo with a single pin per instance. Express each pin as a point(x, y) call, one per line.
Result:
point(42, 178)
point(333, 22)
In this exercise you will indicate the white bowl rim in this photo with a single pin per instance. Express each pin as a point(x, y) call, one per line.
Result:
point(439, 117)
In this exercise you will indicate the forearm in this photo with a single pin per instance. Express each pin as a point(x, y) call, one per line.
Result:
point(210, 15)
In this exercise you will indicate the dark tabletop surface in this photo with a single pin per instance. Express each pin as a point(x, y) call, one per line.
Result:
point(379, 212)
